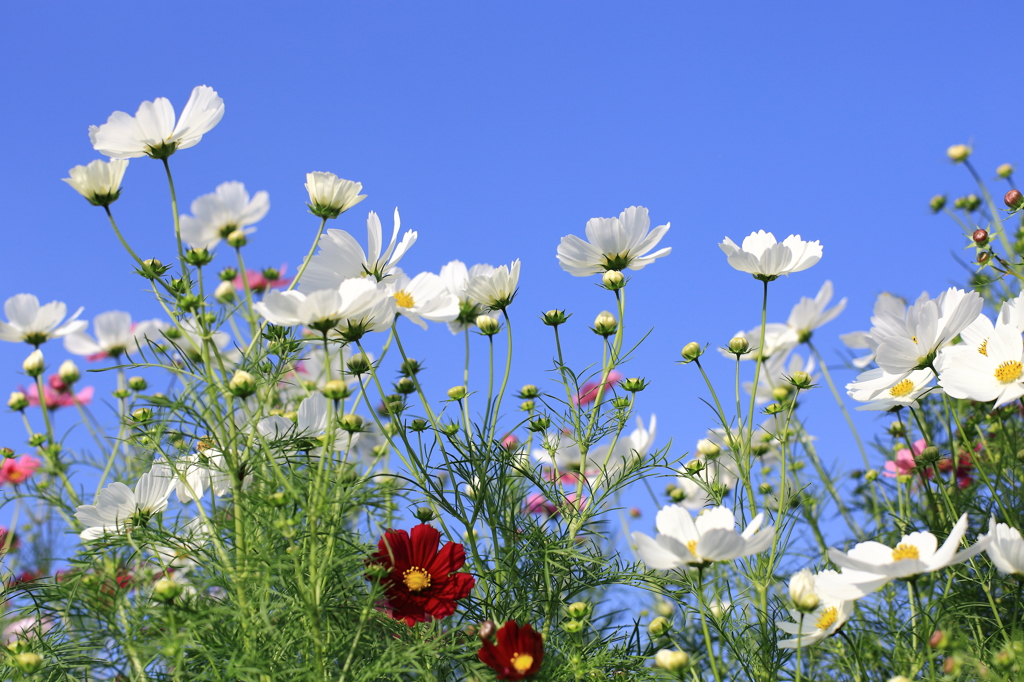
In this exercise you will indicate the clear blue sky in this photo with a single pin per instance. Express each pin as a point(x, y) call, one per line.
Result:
point(497, 128)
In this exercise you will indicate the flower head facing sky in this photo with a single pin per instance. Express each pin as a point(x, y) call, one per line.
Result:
point(613, 244)
point(330, 196)
point(685, 541)
point(495, 290)
point(32, 323)
point(341, 257)
point(100, 181)
point(766, 259)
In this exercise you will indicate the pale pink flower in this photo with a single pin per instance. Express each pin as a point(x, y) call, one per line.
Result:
point(536, 503)
point(588, 393)
point(17, 470)
point(258, 280)
point(58, 394)
point(906, 460)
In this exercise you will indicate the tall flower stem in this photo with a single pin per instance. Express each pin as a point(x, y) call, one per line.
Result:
point(177, 227)
point(799, 648)
point(309, 256)
point(702, 607)
point(508, 371)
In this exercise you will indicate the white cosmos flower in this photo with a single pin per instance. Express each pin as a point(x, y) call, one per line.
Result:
point(330, 196)
point(766, 259)
point(681, 541)
point(1006, 549)
point(100, 181)
point(495, 290)
point(811, 313)
point(32, 323)
point(822, 622)
point(775, 374)
point(365, 307)
point(884, 391)
point(312, 367)
point(613, 244)
point(885, 303)
point(558, 450)
point(153, 132)
point(778, 339)
point(341, 258)
point(218, 214)
point(456, 279)
point(995, 374)
point(115, 335)
point(870, 565)
point(913, 340)
point(319, 310)
point(189, 340)
point(188, 541)
point(118, 508)
point(628, 448)
point(199, 472)
point(424, 297)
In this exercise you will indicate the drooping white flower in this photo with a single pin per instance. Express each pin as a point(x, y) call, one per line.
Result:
point(118, 508)
point(340, 257)
point(319, 310)
point(1006, 549)
point(613, 244)
point(811, 313)
point(883, 391)
point(495, 290)
point(365, 307)
point(32, 323)
point(330, 196)
point(100, 181)
point(775, 375)
point(115, 335)
point(682, 541)
point(153, 131)
point(424, 297)
point(218, 214)
point(456, 279)
point(993, 373)
point(766, 259)
point(885, 303)
point(778, 340)
point(870, 565)
point(824, 621)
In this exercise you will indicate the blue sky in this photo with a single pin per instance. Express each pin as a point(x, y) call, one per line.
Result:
point(497, 128)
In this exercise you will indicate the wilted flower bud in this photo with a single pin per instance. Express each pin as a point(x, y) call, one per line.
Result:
point(605, 323)
point(358, 364)
point(937, 203)
point(659, 626)
point(457, 392)
point(1014, 199)
point(870, 475)
point(671, 660)
point(801, 591)
point(958, 153)
point(613, 280)
point(553, 318)
point(578, 609)
point(335, 389)
point(692, 351)
point(17, 401)
point(34, 363)
point(528, 392)
point(633, 385)
point(28, 662)
point(801, 380)
point(137, 384)
point(166, 590)
point(242, 384)
point(487, 325)
point(68, 372)
point(237, 239)
point(225, 292)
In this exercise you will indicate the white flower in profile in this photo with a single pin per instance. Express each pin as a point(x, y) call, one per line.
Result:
point(766, 259)
point(695, 497)
point(682, 541)
point(495, 290)
point(993, 373)
point(422, 298)
point(153, 132)
point(558, 450)
point(118, 508)
point(115, 336)
point(199, 472)
point(628, 448)
point(912, 341)
point(883, 391)
point(1006, 549)
point(319, 310)
point(100, 181)
point(32, 323)
point(870, 565)
point(365, 307)
point(456, 279)
point(330, 196)
point(365, 445)
point(188, 338)
point(775, 375)
point(311, 420)
point(613, 244)
point(218, 214)
point(821, 623)
point(778, 339)
point(811, 313)
point(341, 258)
point(885, 303)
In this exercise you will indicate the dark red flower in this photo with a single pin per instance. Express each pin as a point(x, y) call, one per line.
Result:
point(421, 580)
point(518, 654)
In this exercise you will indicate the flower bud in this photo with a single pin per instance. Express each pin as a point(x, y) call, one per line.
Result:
point(242, 384)
point(487, 325)
point(34, 364)
point(553, 318)
point(801, 591)
point(17, 401)
point(1004, 170)
point(897, 428)
point(410, 368)
point(137, 384)
point(1014, 199)
point(930, 455)
point(980, 237)
point(457, 392)
point(352, 423)
point(971, 202)
point(613, 280)
point(633, 385)
point(539, 425)
point(695, 466)
point(605, 324)
point(664, 607)
point(425, 514)
point(634, 512)
point(578, 609)
point(358, 364)
point(773, 408)
point(237, 239)
point(692, 351)
point(659, 626)
point(450, 429)
point(801, 380)
point(938, 640)
point(871, 475)
point(227, 274)
point(781, 392)
point(527, 405)
point(903, 479)
point(198, 257)
point(68, 372)
point(671, 660)
point(528, 392)
point(677, 495)
point(335, 390)
point(738, 345)
point(142, 414)
point(572, 626)
point(166, 590)
point(225, 292)
point(708, 447)
point(487, 629)
point(958, 153)
point(152, 268)
point(405, 386)
point(7, 453)
point(28, 662)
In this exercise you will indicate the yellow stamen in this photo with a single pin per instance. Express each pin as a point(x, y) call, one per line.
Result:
point(522, 662)
point(416, 579)
point(983, 348)
point(905, 551)
point(828, 618)
point(901, 389)
point(404, 299)
point(692, 546)
point(1009, 371)
point(914, 339)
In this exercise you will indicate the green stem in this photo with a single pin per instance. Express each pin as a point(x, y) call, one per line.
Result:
point(177, 228)
point(309, 256)
point(704, 624)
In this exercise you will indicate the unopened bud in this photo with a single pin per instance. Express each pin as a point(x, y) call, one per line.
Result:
point(572, 626)
point(153, 268)
point(871, 475)
point(137, 384)
point(773, 408)
point(613, 280)
point(242, 384)
point(930, 455)
point(781, 392)
point(7, 453)
point(487, 325)
point(692, 351)
point(708, 447)
point(553, 318)
point(671, 660)
point(539, 425)
point(664, 608)
point(457, 392)
point(1014, 199)
point(801, 380)
point(227, 274)
point(358, 364)
point(528, 392)
point(17, 401)
point(410, 368)
point(578, 609)
point(34, 364)
point(166, 590)
point(801, 591)
point(487, 629)
point(335, 389)
point(980, 237)
point(897, 428)
point(971, 202)
point(351, 423)
point(938, 640)
point(1004, 170)
point(450, 429)
point(28, 662)
point(425, 514)
point(68, 372)
point(659, 626)
point(695, 466)
point(937, 203)
point(958, 153)
point(237, 239)
point(198, 257)
point(405, 386)
point(633, 385)
point(738, 345)
point(605, 323)
point(225, 292)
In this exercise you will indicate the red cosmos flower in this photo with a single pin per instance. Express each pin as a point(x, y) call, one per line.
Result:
point(422, 581)
point(519, 652)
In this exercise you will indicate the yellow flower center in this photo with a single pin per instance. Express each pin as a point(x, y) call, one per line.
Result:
point(404, 299)
point(522, 662)
point(1009, 371)
point(416, 579)
point(828, 618)
point(983, 348)
point(905, 551)
point(692, 546)
point(901, 389)
point(914, 339)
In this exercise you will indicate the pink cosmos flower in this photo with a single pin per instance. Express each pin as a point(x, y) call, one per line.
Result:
point(588, 393)
point(260, 281)
point(537, 504)
point(17, 470)
point(905, 460)
point(29, 626)
point(58, 394)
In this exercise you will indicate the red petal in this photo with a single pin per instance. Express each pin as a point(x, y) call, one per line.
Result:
point(424, 545)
